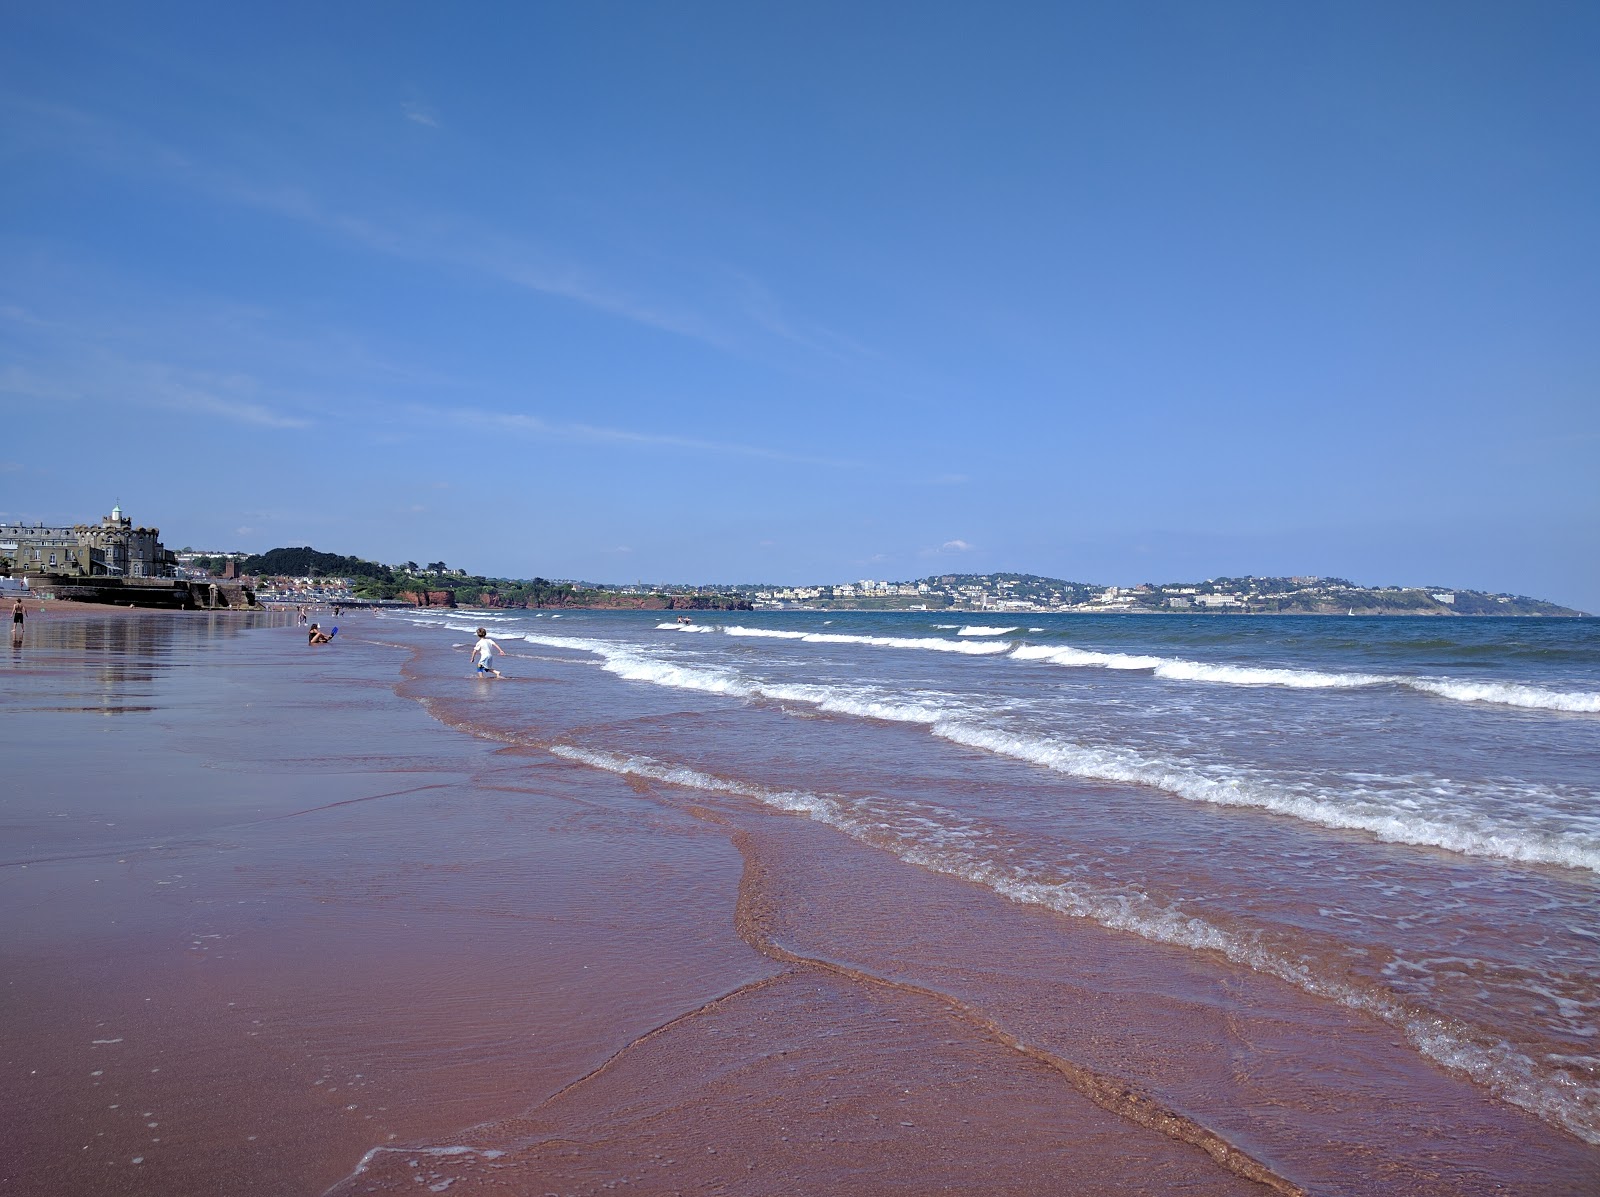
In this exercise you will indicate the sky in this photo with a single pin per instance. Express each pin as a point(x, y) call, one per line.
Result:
point(731, 292)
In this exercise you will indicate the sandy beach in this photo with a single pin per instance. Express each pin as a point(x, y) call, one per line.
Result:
point(301, 921)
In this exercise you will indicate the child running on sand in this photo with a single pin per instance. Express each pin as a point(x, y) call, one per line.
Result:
point(483, 650)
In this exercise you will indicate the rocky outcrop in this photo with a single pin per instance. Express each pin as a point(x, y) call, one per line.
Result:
point(428, 598)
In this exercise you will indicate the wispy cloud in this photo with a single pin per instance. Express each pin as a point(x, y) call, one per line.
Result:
point(185, 392)
point(149, 384)
point(509, 259)
point(948, 547)
point(515, 261)
point(526, 425)
point(763, 307)
point(15, 314)
point(420, 113)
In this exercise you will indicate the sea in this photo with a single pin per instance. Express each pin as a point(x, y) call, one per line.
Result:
point(1397, 816)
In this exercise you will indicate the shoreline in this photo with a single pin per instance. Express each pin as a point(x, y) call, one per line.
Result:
point(367, 930)
point(270, 935)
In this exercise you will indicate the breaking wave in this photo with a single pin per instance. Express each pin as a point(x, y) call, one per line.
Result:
point(1198, 671)
point(1178, 669)
point(982, 642)
point(929, 643)
point(1510, 694)
point(1417, 815)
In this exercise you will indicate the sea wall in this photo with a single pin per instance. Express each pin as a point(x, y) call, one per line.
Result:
point(175, 594)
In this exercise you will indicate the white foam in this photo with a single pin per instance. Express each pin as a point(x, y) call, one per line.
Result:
point(1509, 694)
point(1514, 694)
point(1179, 669)
point(1196, 671)
point(1053, 655)
point(1417, 816)
point(927, 643)
point(1248, 675)
point(443, 1152)
point(965, 851)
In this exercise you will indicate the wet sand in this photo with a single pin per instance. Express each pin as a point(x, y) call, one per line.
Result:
point(280, 924)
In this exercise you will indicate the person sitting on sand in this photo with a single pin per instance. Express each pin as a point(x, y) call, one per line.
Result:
point(483, 650)
point(318, 636)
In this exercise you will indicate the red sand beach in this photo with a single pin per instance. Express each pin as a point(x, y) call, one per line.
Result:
point(286, 920)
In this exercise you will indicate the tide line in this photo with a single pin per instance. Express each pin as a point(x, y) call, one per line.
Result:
point(1507, 1072)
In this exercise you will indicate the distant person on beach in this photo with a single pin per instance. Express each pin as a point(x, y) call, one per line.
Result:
point(317, 636)
point(304, 616)
point(17, 615)
point(483, 650)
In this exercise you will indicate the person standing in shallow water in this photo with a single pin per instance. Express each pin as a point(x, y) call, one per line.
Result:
point(483, 650)
point(18, 613)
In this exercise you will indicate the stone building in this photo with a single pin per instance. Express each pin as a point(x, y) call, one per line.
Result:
point(42, 550)
point(112, 548)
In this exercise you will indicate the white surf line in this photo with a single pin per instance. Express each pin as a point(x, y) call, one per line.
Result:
point(488, 1153)
point(1515, 694)
point(929, 643)
point(1465, 833)
point(1177, 669)
point(1511, 1075)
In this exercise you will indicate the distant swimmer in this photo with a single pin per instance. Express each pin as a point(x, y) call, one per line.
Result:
point(17, 615)
point(318, 636)
point(483, 650)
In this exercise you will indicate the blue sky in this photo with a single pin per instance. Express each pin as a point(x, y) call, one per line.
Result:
point(730, 292)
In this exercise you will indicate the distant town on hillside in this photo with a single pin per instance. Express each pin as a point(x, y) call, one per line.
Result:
point(307, 574)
